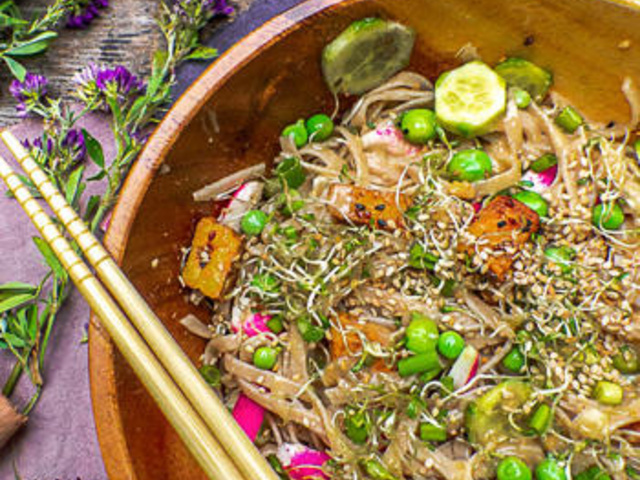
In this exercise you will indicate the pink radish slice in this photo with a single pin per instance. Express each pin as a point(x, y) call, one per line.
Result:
point(390, 137)
point(249, 416)
point(465, 367)
point(301, 462)
point(252, 324)
point(242, 200)
point(540, 181)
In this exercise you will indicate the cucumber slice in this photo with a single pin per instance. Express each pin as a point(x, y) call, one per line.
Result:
point(527, 76)
point(366, 54)
point(470, 99)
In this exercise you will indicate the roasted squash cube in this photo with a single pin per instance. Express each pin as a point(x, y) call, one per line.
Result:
point(214, 249)
point(502, 223)
point(365, 206)
point(346, 341)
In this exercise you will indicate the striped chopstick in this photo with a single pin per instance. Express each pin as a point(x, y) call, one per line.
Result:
point(203, 402)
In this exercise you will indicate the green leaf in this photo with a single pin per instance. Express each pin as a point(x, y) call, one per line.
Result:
point(98, 176)
point(202, 53)
point(14, 340)
point(92, 206)
point(50, 258)
point(136, 109)
point(94, 149)
point(17, 69)
point(32, 322)
point(15, 301)
point(33, 46)
point(73, 188)
point(159, 61)
point(17, 287)
point(8, 21)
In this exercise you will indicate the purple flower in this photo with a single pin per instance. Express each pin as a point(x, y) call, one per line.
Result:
point(73, 145)
point(85, 14)
point(98, 83)
point(28, 93)
point(186, 8)
point(219, 7)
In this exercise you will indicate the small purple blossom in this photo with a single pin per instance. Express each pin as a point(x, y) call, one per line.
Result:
point(74, 145)
point(219, 7)
point(97, 82)
point(185, 8)
point(29, 92)
point(72, 148)
point(84, 15)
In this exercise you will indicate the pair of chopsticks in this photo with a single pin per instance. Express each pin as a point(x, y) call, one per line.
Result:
point(200, 418)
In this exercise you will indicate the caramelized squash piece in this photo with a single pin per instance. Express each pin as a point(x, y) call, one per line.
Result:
point(214, 249)
point(502, 223)
point(369, 207)
point(348, 343)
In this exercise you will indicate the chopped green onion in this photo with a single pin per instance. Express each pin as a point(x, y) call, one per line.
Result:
point(514, 361)
point(626, 360)
point(430, 375)
point(275, 324)
point(423, 362)
point(376, 471)
point(432, 433)
point(422, 334)
point(211, 375)
point(569, 119)
point(541, 418)
point(357, 426)
point(543, 163)
point(608, 393)
point(291, 172)
point(310, 333)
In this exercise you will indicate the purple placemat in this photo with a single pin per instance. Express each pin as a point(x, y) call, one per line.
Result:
point(59, 442)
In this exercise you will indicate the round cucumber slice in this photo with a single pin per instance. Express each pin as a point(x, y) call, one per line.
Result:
point(470, 99)
point(366, 54)
point(525, 75)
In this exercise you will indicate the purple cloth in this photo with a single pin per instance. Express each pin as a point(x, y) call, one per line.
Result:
point(59, 442)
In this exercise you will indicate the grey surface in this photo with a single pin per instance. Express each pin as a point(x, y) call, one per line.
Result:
point(59, 442)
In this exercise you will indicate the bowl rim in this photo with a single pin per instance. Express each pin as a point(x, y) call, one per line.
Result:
point(106, 410)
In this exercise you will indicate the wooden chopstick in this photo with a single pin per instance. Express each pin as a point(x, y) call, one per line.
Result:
point(204, 400)
point(188, 424)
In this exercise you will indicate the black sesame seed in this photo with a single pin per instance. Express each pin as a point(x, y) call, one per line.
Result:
point(611, 124)
point(360, 206)
point(382, 223)
point(381, 207)
point(502, 223)
point(529, 41)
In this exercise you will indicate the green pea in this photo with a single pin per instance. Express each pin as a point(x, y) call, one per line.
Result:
point(608, 215)
point(419, 125)
point(470, 165)
point(512, 468)
point(422, 334)
point(626, 360)
point(608, 393)
point(299, 133)
point(319, 127)
point(562, 256)
point(357, 426)
point(569, 119)
point(534, 201)
point(514, 360)
point(521, 97)
point(265, 358)
point(253, 222)
point(376, 471)
point(450, 344)
point(550, 469)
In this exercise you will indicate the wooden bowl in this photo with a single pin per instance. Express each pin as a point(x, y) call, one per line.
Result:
point(231, 117)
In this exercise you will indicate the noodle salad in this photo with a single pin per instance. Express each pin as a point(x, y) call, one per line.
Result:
point(439, 281)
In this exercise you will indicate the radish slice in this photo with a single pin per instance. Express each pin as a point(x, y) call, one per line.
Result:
point(242, 200)
point(249, 416)
point(465, 367)
point(540, 181)
point(388, 136)
point(301, 462)
point(252, 324)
